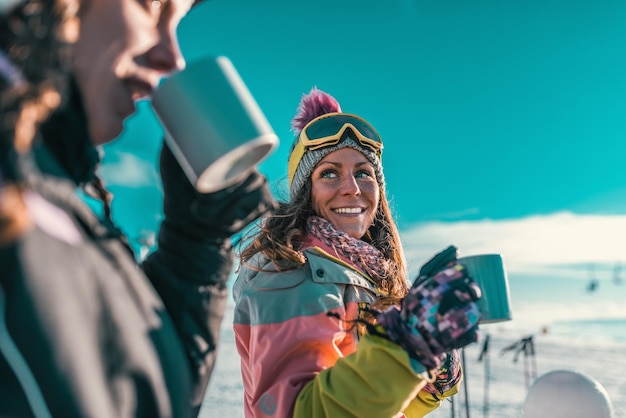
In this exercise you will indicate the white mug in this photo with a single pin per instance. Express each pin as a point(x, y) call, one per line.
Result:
point(213, 125)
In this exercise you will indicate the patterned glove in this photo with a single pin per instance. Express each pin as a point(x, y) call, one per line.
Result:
point(214, 216)
point(448, 376)
point(438, 314)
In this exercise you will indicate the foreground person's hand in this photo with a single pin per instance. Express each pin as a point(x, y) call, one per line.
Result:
point(216, 215)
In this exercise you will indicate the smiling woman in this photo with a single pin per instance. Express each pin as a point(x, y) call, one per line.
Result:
point(308, 325)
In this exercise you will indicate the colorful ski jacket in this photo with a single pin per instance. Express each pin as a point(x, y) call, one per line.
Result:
point(300, 353)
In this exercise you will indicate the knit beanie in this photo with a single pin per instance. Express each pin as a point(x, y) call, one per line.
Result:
point(312, 105)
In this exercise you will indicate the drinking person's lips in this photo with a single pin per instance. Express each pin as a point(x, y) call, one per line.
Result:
point(140, 88)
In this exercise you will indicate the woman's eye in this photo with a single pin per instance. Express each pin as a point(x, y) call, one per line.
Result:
point(328, 174)
point(364, 173)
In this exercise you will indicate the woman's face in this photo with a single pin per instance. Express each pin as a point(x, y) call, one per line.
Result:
point(124, 48)
point(345, 191)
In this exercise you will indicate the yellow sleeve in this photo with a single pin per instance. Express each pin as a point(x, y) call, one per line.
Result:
point(426, 402)
point(377, 380)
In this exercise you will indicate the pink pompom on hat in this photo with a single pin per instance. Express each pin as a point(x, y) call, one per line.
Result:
point(315, 103)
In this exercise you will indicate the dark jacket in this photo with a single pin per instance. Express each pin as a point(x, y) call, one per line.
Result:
point(84, 330)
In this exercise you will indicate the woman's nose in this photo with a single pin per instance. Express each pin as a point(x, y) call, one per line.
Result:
point(349, 186)
point(166, 55)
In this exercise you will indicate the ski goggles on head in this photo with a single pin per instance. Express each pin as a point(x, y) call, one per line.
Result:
point(328, 130)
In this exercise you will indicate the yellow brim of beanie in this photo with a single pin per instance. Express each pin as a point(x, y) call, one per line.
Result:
point(294, 161)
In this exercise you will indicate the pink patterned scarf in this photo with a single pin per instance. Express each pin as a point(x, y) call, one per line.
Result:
point(362, 255)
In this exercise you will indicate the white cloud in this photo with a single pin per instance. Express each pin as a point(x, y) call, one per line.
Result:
point(556, 243)
point(128, 170)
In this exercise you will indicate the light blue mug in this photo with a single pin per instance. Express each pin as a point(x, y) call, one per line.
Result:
point(489, 272)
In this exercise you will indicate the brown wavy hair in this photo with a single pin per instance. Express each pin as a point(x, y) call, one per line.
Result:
point(35, 35)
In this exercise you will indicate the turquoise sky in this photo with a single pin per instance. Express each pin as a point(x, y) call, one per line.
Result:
point(497, 116)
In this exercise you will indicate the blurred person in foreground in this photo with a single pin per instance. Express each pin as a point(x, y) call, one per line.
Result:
point(325, 321)
point(84, 330)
